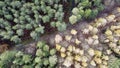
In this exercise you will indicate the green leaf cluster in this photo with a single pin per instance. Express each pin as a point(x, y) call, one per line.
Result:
point(6, 58)
point(44, 57)
point(114, 62)
point(85, 9)
point(28, 17)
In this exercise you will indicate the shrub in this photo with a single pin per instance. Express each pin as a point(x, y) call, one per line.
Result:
point(6, 58)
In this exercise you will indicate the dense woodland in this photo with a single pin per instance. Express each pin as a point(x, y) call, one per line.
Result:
point(59, 33)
